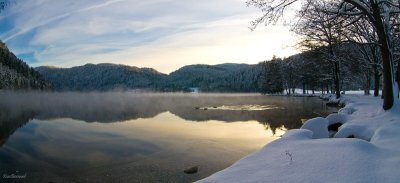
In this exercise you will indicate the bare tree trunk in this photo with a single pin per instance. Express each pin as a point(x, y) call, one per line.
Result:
point(383, 90)
point(307, 88)
point(387, 92)
point(398, 77)
point(336, 79)
point(367, 84)
point(377, 78)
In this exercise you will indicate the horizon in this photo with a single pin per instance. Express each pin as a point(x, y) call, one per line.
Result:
point(140, 34)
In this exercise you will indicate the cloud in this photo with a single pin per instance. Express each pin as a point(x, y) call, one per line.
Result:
point(52, 19)
point(163, 34)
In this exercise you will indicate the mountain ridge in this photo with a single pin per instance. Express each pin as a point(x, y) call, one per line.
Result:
point(102, 77)
point(83, 78)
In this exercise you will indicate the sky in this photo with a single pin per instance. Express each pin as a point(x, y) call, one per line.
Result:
point(161, 34)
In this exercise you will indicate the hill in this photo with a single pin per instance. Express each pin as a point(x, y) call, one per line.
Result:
point(104, 77)
point(16, 74)
point(204, 77)
point(101, 77)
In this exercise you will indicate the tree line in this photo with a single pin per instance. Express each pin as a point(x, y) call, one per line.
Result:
point(329, 26)
point(311, 72)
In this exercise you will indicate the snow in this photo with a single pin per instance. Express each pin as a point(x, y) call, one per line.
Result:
point(319, 127)
point(339, 118)
point(372, 156)
point(299, 91)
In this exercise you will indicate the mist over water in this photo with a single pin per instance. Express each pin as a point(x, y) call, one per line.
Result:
point(120, 106)
point(139, 137)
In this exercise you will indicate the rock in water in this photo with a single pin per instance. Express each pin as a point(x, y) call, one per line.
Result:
point(191, 170)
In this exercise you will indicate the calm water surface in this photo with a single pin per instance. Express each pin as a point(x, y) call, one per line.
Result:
point(128, 137)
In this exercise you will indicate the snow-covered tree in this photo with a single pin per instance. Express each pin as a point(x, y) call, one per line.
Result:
point(291, 75)
point(322, 32)
point(382, 14)
point(362, 34)
point(271, 79)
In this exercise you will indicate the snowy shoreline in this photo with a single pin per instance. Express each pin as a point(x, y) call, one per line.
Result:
point(366, 148)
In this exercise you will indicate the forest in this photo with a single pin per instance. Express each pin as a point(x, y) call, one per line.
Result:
point(362, 31)
point(16, 74)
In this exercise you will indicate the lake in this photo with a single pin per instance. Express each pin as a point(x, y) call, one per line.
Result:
point(132, 137)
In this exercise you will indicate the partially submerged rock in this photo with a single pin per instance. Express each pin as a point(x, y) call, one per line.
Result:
point(191, 170)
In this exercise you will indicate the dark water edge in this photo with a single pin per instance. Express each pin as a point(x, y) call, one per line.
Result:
point(128, 137)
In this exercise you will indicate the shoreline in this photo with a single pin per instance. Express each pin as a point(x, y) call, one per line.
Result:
point(364, 149)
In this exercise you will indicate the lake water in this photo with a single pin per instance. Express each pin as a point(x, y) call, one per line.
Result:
point(130, 137)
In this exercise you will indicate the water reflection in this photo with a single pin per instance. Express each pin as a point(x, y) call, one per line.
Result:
point(144, 150)
point(113, 107)
point(10, 123)
point(131, 137)
point(274, 112)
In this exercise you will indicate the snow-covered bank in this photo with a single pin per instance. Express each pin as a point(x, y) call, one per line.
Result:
point(308, 155)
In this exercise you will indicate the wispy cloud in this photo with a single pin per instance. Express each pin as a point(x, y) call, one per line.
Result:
point(164, 34)
point(58, 17)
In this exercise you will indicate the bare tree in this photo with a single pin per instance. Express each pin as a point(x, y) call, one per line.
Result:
point(291, 73)
point(380, 13)
point(362, 34)
point(322, 32)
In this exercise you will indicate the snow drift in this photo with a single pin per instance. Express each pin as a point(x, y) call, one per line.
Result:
point(366, 148)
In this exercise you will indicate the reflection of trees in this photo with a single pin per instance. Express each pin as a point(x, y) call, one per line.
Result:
point(275, 118)
point(102, 114)
point(273, 129)
point(9, 123)
point(290, 117)
point(17, 109)
point(89, 107)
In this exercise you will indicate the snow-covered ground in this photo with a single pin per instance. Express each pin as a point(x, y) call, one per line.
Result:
point(309, 155)
point(299, 92)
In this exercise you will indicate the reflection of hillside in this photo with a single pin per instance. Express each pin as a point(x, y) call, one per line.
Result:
point(114, 112)
point(9, 123)
point(114, 107)
point(89, 107)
